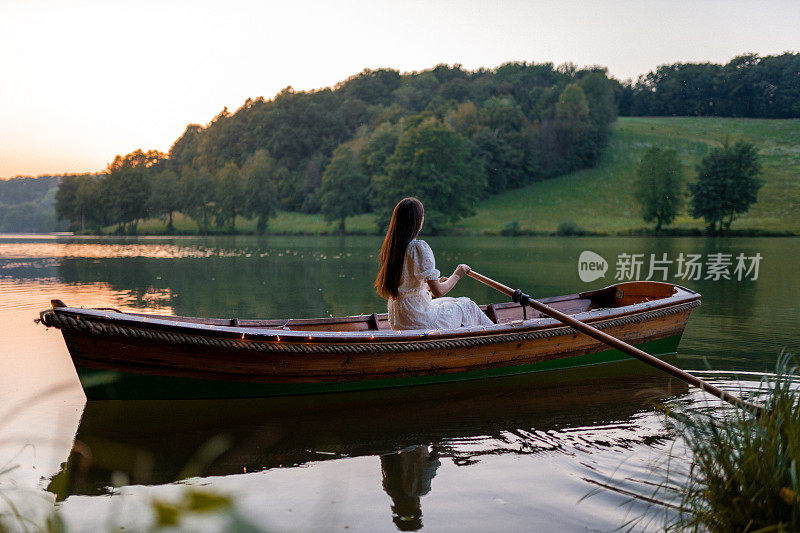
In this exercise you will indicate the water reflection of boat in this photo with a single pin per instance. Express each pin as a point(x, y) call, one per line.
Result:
point(156, 442)
point(127, 355)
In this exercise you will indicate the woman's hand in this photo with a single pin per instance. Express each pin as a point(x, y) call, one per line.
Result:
point(442, 286)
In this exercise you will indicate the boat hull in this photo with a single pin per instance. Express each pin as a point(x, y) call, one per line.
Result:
point(113, 384)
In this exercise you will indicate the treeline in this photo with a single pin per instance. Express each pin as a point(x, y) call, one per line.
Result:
point(26, 205)
point(747, 86)
point(447, 135)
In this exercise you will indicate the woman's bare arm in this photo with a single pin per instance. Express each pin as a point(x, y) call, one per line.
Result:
point(440, 287)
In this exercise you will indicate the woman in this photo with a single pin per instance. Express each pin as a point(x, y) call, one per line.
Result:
point(408, 277)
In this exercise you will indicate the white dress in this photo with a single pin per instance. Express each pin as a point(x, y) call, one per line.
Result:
point(416, 309)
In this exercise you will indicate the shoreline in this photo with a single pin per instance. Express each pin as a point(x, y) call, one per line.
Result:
point(453, 233)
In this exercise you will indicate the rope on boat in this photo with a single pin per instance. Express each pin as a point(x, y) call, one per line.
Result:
point(50, 319)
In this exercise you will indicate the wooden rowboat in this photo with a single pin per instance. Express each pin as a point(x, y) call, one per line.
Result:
point(133, 355)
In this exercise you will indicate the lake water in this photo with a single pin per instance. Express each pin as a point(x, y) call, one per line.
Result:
point(572, 451)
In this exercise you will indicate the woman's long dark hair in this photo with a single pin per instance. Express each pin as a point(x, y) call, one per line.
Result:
point(404, 226)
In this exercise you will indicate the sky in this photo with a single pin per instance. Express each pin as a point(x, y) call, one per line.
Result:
point(84, 80)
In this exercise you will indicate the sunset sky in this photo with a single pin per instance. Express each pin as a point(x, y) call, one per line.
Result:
point(83, 80)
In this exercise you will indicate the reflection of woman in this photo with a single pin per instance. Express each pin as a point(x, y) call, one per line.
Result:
point(407, 476)
point(408, 276)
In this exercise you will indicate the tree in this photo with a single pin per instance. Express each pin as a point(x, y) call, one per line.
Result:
point(344, 188)
point(436, 165)
point(566, 140)
point(504, 144)
point(312, 181)
point(66, 205)
point(509, 159)
point(599, 91)
point(78, 199)
point(164, 197)
point(126, 191)
point(379, 148)
point(371, 86)
point(126, 187)
point(230, 195)
point(89, 201)
point(184, 150)
point(136, 159)
point(659, 184)
point(197, 196)
point(259, 173)
point(501, 114)
point(572, 104)
point(727, 184)
point(464, 119)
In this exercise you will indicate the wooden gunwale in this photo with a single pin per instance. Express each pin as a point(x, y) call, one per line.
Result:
point(213, 329)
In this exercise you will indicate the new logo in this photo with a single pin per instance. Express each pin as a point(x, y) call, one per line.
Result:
point(591, 266)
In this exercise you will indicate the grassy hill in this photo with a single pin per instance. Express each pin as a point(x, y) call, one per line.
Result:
point(601, 199)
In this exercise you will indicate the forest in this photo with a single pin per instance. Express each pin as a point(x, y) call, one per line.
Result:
point(26, 205)
point(447, 135)
point(748, 86)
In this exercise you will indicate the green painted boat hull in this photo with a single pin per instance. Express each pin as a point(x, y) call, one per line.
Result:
point(113, 385)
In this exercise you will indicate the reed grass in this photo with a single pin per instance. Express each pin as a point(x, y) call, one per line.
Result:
point(744, 470)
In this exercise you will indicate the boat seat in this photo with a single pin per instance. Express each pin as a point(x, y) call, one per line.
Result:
point(491, 312)
point(373, 322)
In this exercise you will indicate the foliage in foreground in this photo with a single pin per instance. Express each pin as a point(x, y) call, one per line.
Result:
point(744, 471)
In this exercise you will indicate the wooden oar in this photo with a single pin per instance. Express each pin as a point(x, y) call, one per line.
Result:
point(522, 298)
